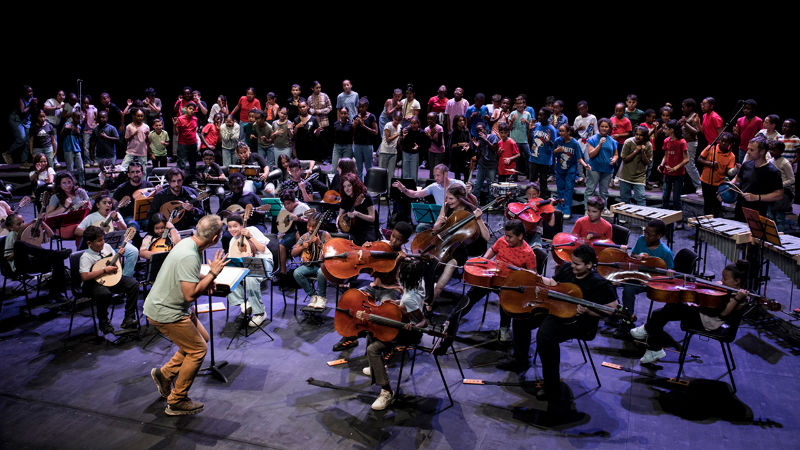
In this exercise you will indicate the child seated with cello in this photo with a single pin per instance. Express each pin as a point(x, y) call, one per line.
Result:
point(303, 273)
point(249, 242)
point(733, 276)
point(158, 228)
point(592, 226)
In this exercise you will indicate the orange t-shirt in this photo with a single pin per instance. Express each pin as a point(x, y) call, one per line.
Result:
point(726, 161)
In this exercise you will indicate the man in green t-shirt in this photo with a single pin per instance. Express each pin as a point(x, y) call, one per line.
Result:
point(168, 308)
point(637, 153)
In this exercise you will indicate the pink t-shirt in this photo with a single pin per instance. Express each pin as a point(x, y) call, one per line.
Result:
point(437, 138)
point(748, 130)
point(674, 152)
point(711, 121)
point(187, 130)
point(245, 107)
point(508, 148)
point(621, 126)
point(137, 139)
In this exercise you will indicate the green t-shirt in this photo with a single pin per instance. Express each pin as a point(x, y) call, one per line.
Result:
point(157, 142)
point(165, 302)
point(635, 171)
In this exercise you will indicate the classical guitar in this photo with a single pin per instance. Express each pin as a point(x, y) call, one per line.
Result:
point(241, 247)
point(111, 279)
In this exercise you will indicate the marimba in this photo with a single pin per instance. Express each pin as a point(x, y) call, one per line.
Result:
point(640, 215)
point(786, 256)
point(727, 236)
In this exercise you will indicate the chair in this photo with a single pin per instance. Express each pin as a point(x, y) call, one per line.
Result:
point(77, 290)
point(541, 260)
point(724, 335)
point(685, 261)
point(620, 234)
point(22, 278)
point(405, 348)
point(583, 342)
point(376, 180)
point(548, 232)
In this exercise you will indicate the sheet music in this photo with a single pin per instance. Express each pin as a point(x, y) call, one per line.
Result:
point(230, 277)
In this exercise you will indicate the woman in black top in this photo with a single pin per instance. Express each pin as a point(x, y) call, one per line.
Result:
point(342, 137)
point(343, 167)
point(460, 153)
point(358, 206)
point(306, 132)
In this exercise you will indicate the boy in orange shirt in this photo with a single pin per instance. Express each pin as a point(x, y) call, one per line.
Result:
point(715, 161)
point(592, 225)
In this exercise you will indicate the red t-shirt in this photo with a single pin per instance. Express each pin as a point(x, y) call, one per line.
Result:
point(621, 126)
point(211, 134)
point(748, 130)
point(436, 104)
point(600, 230)
point(711, 121)
point(520, 256)
point(245, 107)
point(508, 149)
point(674, 152)
point(187, 130)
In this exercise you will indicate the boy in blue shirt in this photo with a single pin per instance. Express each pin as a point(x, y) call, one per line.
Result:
point(567, 155)
point(477, 114)
point(543, 136)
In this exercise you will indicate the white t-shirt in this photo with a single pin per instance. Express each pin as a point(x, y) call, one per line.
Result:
point(44, 176)
point(437, 191)
point(94, 217)
point(590, 124)
point(259, 237)
point(389, 147)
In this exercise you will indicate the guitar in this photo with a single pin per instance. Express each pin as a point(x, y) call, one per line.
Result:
point(148, 192)
point(34, 233)
point(111, 279)
point(285, 220)
point(345, 222)
point(310, 178)
point(242, 248)
point(313, 251)
point(167, 208)
point(164, 243)
point(106, 224)
point(25, 201)
point(237, 209)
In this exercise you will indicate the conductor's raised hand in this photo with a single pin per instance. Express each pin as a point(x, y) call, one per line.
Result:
point(219, 262)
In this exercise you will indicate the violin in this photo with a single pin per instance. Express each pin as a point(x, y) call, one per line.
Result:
point(531, 213)
point(565, 243)
point(524, 292)
point(675, 290)
point(342, 259)
point(357, 312)
point(460, 228)
point(616, 265)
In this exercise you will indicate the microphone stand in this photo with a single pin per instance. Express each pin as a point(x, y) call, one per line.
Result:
point(714, 142)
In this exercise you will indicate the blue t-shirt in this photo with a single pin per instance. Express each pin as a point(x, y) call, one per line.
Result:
point(662, 251)
point(73, 141)
point(483, 118)
point(567, 160)
point(542, 144)
point(488, 156)
point(558, 121)
point(602, 162)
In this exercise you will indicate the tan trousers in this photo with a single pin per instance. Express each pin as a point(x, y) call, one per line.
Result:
point(190, 336)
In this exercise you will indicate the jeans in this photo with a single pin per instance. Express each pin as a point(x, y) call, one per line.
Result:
point(625, 189)
point(524, 156)
point(187, 152)
point(190, 336)
point(594, 180)
point(229, 157)
point(278, 151)
point(75, 165)
point(388, 162)
point(253, 299)
point(410, 165)
point(552, 332)
point(340, 151)
point(435, 159)
point(565, 183)
point(48, 153)
point(87, 144)
point(672, 188)
point(539, 173)
point(21, 135)
point(363, 156)
point(629, 296)
point(268, 153)
point(130, 158)
point(483, 179)
point(691, 168)
point(303, 273)
point(131, 256)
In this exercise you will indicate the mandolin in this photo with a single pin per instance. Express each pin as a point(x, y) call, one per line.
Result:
point(25, 201)
point(241, 247)
point(111, 279)
point(285, 220)
point(345, 222)
point(168, 207)
point(34, 234)
point(313, 251)
point(107, 224)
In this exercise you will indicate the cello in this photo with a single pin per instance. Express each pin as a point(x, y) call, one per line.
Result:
point(616, 265)
point(342, 259)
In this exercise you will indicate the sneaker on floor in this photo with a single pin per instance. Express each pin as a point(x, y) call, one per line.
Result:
point(163, 385)
point(652, 356)
point(699, 191)
point(321, 302)
point(345, 343)
point(383, 401)
point(366, 371)
point(505, 334)
point(185, 407)
point(257, 320)
point(639, 332)
point(106, 328)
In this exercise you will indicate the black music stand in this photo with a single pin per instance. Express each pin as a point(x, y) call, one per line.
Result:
point(256, 268)
point(425, 213)
point(763, 229)
point(220, 291)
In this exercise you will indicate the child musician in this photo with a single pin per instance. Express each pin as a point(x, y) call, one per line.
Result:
point(592, 225)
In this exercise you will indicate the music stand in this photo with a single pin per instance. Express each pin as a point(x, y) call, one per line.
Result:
point(141, 207)
point(233, 276)
point(425, 213)
point(763, 229)
point(256, 268)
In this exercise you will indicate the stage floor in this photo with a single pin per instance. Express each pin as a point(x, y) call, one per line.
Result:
point(86, 392)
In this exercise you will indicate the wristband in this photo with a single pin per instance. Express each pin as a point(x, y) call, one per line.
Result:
point(759, 197)
point(214, 275)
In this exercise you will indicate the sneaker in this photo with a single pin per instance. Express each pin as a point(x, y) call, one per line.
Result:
point(25, 165)
point(163, 385)
point(321, 302)
point(383, 401)
point(639, 333)
point(87, 165)
point(567, 216)
point(699, 191)
point(652, 356)
point(366, 371)
point(505, 334)
point(257, 320)
point(345, 343)
point(185, 407)
point(106, 328)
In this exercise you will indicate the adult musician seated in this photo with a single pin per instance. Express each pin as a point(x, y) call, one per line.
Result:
point(457, 199)
point(98, 249)
point(553, 330)
point(256, 246)
point(442, 181)
point(248, 158)
point(534, 238)
point(105, 205)
point(26, 258)
point(185, 195)
point(510, 248)
point(701, 318)
point(385, 285)
point(134, 182)
point(68, 195)
point(297, 183)
point(312, 270)
point(410, 303)
point(358, 207)
point(237, 196)
point(156, 226)
point(592, 225)
point(297, 210)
